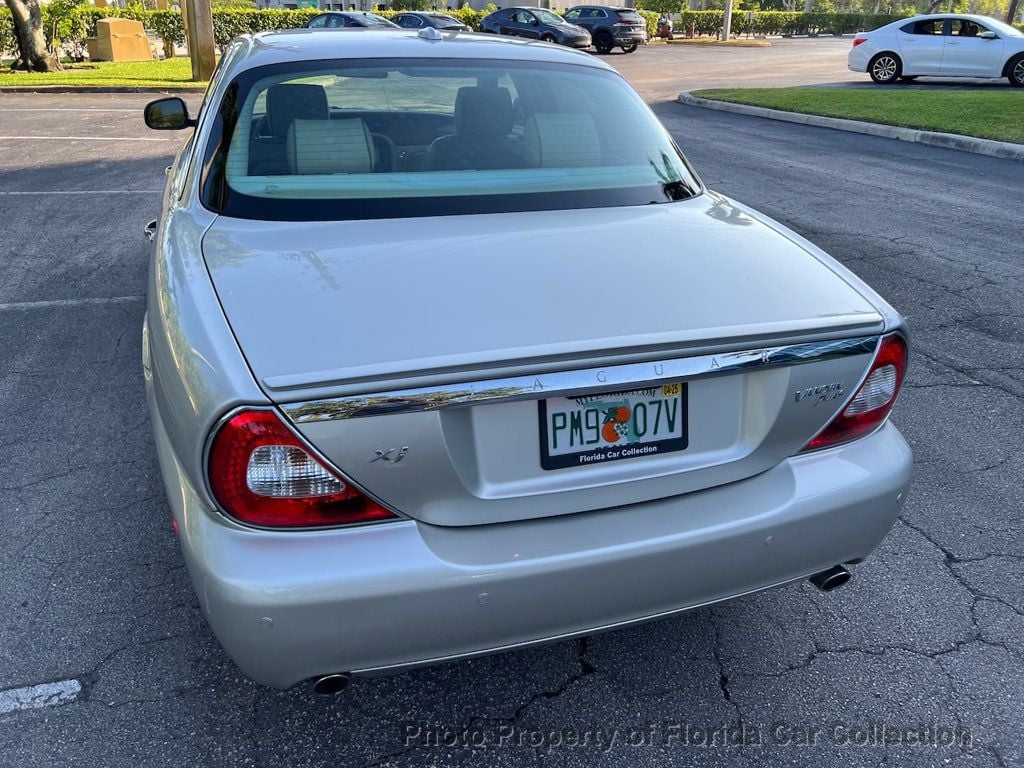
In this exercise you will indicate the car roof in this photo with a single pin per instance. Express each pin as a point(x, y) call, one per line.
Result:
point(927, 16)
point(604, 7)
point(290, 45)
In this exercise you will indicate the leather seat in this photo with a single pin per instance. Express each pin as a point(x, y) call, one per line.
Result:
point(483, 122)
point(329, 146)
point(286, 103)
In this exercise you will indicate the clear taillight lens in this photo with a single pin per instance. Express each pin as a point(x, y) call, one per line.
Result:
point(261, 473)
point(284, 471)
point(874, 399)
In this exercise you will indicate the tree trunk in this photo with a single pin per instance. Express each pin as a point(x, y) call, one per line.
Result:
point(808, 6)
point(28, 30)
point(1011, 12)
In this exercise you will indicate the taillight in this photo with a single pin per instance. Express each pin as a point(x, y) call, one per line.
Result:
point(873, 400)
point(858, 40)
point(260, 473)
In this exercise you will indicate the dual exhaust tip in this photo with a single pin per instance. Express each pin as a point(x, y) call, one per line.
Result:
point(828, 580)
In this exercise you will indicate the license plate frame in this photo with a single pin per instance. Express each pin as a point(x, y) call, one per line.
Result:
point(605, 451)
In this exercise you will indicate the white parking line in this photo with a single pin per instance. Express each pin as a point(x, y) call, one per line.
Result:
point(82, 138)
point(39, 696)
point(14, 305)
point(87, 192)
point(67, 109)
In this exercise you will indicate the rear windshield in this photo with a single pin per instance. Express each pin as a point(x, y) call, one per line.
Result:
point(396, 138)
point(629, 15)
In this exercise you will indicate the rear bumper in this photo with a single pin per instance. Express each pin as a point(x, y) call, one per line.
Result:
point(630, 38)
point(857, 60)
point(290, 606)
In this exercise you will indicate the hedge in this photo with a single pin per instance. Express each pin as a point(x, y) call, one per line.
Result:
point(783, 22)
point(230, 22)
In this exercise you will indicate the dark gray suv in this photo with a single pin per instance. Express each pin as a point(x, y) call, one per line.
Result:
point(537, 23)
point(610, 27)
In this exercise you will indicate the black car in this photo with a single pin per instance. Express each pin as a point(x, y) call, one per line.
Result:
point(610, 27)
point(421, 19)
point(536, 23)
point(339, 19)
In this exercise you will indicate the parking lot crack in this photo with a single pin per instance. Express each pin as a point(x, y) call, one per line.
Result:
point(723, 676)
point(586, 668)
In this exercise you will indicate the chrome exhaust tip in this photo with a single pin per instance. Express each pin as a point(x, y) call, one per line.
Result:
point(331, 685)
point(831, 579)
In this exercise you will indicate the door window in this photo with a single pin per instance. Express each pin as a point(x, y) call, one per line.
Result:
point(966, 28)
point(925, 27)
point(318, 23)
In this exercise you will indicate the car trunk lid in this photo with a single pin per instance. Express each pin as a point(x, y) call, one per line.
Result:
point(411, 315)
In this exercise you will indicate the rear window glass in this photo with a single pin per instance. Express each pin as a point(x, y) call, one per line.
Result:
point(381, 139)
point(629, 16)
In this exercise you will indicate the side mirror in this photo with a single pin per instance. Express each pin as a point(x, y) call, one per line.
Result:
point(168, 114)
point(988, 35)
point(535, 22)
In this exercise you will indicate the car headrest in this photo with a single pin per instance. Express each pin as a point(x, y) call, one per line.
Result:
point(329, 146)
point(287, 102)
point(561, 140)
point(483, 113)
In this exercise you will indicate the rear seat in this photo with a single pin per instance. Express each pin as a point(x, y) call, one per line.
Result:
point(286, 103)
point(329, 146)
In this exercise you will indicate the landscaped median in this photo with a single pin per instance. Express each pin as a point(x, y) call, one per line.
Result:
point(987, 113)
point(170, 74)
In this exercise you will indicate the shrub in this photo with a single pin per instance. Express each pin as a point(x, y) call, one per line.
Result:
point(6, 33)
point(783, 22)
point(652, 21)
point(231, 22)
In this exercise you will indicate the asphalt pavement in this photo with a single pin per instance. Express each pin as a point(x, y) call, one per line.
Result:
point(917, 663)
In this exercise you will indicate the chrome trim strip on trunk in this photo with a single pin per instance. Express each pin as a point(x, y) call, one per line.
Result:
point(584, 381)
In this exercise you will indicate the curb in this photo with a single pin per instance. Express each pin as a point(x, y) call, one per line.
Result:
point(719, 44)
point(101, 89)
point(1002, 149)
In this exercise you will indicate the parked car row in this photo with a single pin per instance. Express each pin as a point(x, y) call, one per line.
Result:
point(601, 26)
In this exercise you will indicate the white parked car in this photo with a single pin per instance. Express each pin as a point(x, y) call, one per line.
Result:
point(943, 45)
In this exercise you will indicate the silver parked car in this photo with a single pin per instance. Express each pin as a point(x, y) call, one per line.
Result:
point(448, 351)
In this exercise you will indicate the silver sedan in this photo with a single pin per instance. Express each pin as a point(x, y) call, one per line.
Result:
point(449, 351)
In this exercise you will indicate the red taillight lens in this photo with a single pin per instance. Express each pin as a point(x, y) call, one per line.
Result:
point(873, 401)
point(858, 40)
point(260, 473)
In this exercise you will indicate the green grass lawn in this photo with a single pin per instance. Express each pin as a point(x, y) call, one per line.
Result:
point(990, 113)
point(170, 73)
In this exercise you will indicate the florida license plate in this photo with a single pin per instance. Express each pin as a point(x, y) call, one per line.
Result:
point(592, 429)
